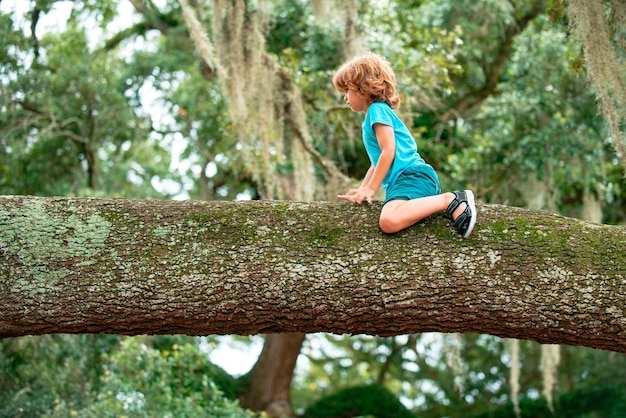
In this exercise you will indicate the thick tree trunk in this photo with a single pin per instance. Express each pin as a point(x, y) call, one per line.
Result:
point(271, 375)
point(167, 267)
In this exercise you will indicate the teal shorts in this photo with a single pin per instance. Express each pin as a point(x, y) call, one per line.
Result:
point(416, 181)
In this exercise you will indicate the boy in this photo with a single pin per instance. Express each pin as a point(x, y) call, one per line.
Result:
point(411, 185)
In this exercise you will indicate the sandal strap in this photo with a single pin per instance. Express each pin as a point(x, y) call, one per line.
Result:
point(460, 221)
point(459, 197)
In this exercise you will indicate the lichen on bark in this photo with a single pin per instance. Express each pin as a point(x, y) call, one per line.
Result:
point(42, 241)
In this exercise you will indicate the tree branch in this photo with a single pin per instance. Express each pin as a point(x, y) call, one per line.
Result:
point(153, 19)
point(493, 70)
point(199, 268)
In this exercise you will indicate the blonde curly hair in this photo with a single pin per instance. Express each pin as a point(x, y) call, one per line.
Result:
point(371, 75)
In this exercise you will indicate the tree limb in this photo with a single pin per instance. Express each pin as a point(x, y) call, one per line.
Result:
point(493, 68)
point(153, 20)
point(199, 268)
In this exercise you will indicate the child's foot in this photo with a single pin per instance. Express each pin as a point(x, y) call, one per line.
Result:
point(465, 220)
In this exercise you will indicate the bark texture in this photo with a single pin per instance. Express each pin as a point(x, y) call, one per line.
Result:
point(190, 267)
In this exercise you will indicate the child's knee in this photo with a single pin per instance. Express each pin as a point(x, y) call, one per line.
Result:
point(388, 224)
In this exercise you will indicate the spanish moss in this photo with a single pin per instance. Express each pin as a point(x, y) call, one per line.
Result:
point(595, 25)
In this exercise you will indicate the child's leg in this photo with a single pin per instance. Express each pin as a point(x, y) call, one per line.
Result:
point(399, 214)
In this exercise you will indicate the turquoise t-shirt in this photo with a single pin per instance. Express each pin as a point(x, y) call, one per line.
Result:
point(406, 149)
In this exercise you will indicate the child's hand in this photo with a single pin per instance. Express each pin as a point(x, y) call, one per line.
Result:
point(358, 195)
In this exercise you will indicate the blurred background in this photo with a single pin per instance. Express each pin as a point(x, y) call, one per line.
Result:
point(233, 100)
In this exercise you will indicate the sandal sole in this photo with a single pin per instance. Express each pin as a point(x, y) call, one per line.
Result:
point(472, 206)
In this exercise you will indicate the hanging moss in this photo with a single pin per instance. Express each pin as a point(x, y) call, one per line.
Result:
point(594, 22)
point(515, 375)
point(261, 97)
point(550, 359)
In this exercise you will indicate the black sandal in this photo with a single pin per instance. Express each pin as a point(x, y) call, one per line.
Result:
point(464, 223)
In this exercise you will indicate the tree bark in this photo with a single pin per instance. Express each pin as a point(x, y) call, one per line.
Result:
point(271, 376)
point(198, 268)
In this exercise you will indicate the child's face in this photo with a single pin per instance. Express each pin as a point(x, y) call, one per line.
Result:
point(356, 101)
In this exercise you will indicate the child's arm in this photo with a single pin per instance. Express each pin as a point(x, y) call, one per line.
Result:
point(368, 177)
point(387, 143)
point(375, 176)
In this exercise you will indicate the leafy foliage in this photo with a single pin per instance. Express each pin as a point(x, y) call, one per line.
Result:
point(143, 381)
point(68, 118)
point(102, 377)
point(602, 401)
point(372, 400)
point(39, 372)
